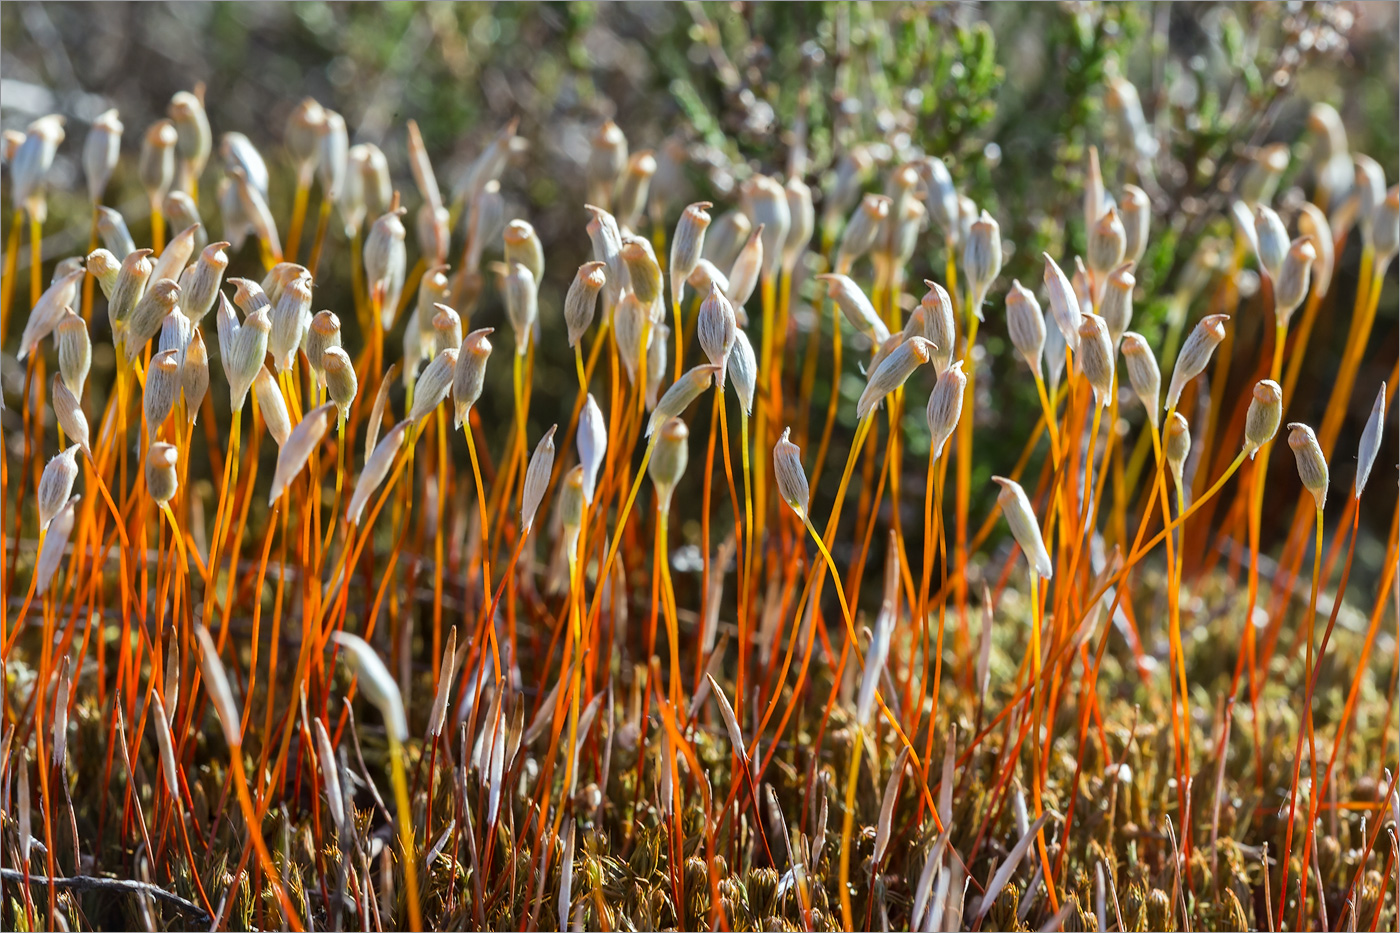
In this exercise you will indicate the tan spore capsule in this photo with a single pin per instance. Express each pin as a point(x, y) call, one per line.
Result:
point(522, 304)
point(1107, 242)
point(581, 302)
point(68, 411)
point(715, 328)
point(216, 679)
point(434, 289)
point(1386, 227)
point(272, 406)
point(447, 328)
point(1025, 324)
point(1313, 223)
point(129, 287)
point(145, 319)
point(1195, 354)
point(111, 226)
point(606, 160)
point(1264, 416)
point(469, 374)
point(1020, 517)
point(856, 307)
point(606, 238)
point(56, 484)
point(30, 164)
point(1312, 465)
point(537, 479)
point(1136, 213)
point(571, 505)
point(296, 450)
point(333, 158)
point(743, 275)
point(725, 237)
point(1291, 287)
point(244, 351)
point(1096, 357)
point(386, 261)
point(631, 200)
point(523, 245)
point(1116, 305)
point(1370, 445)
point(377, 684)
point(630, 319)
point(643, 272)
point(1064, 303)
point(765, 201)
point(893, 372)
point(162, 389)
point(669, 460)
point(162, 477)
point(342, 385)
point(982, 258)
point(433, 385)
point(939, 326)
point(200, 281)
point(176, 254)
point(302, 134)
point(802, 218)
point(682, 392)
point(194, 374)
point(687, 245)
point(1143, 374)
point(323, 334)
point(375, 470)
point(290, 316)
point(74, 352)
point(105, 267)
point(156, 166)
point(790, 475)
point(1177, 445)
point(860, 233)
point(945, 404)
point(101, 149)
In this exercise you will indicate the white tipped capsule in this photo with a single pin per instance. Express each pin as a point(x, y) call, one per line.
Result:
point(1064, 303)
point(272, 406)
point(101, 149)
point(1264, 416)
point(1270, 240)
point(74, 352)
point(1096, 357)
point(939, 326)
point(1016, 508)
point(385, 261)
point(199, 283)
point(56, 484)
point(433, 385)
point(892, 373)
point(1116, 305)
point(469, 374)
point(162, 478)
point(216, 680)
point(295, 453)
point(803, 221)
point(1107, 242)
point(1291, 286)
point(669, 460)
point(176, 254)
point(162, 389)
point(537, 479)
point(1025, 323)
point(1370, 443)
point(1137, 219)
point(194, 375)
point(592, 445)
point(1143, 374)
point(743, 368)
point(743, 274)
point(682, 392)
point(688, 245)
point(1313, 223)
point(791, 477)
point(945, 404)
point(53, 305)
point(864, 227)
point(342, 385)
point(105, 267)
point(69, 414)
point(765, 201)
point(55, 543)
point(375, 470)
point(856, 306)
point(715, 328)
point(1177, 445)
point(376, 683)
point(1195, 354)
point(982, 258)
point(581, 302)
point(522, 304)
point(1312, 465)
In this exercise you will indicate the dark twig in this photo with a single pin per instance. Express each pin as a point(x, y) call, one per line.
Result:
point(113, 885)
